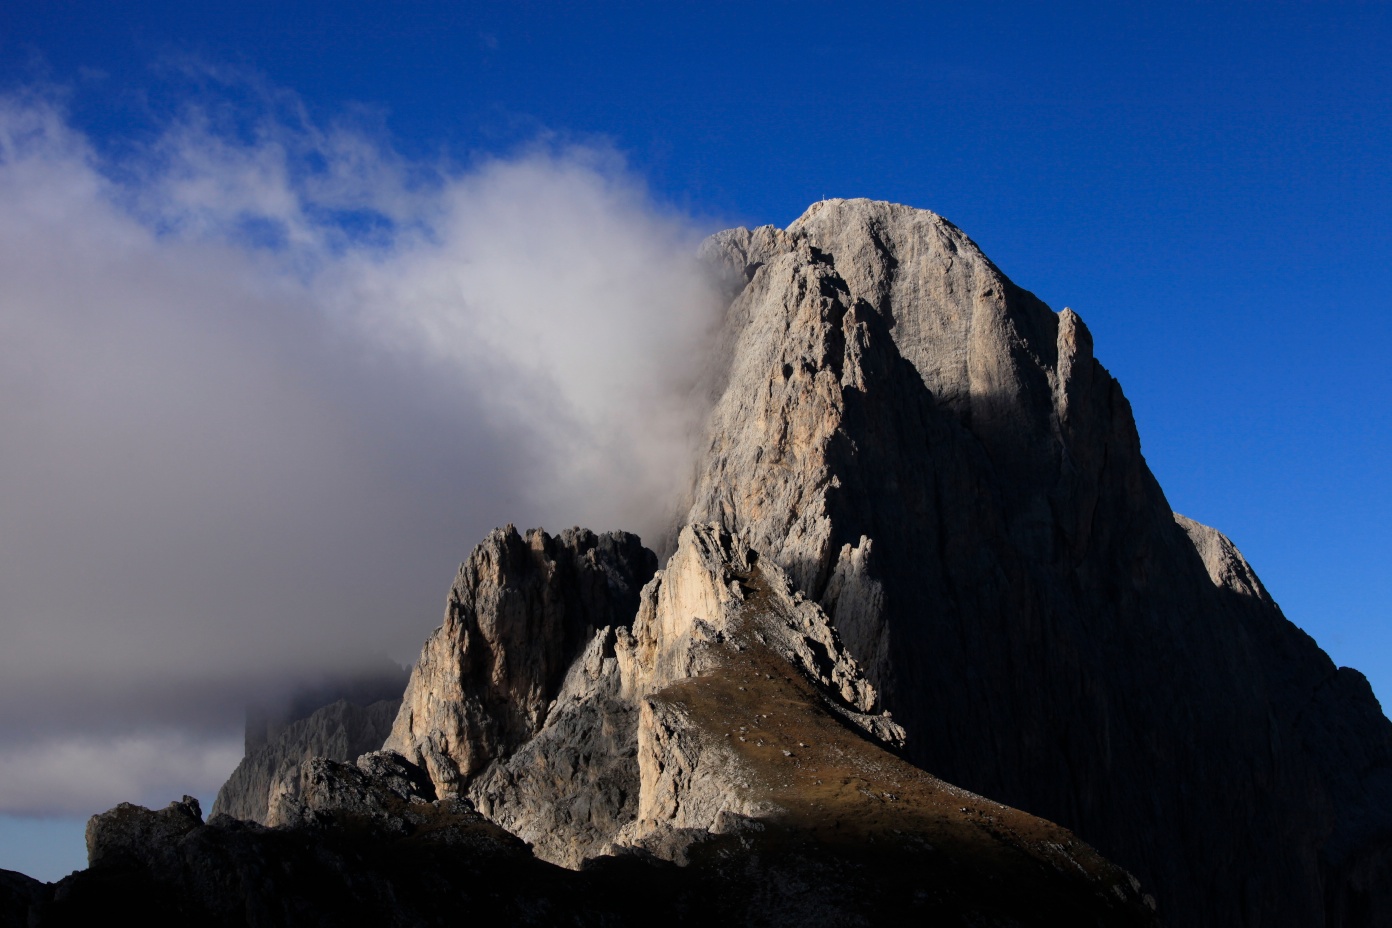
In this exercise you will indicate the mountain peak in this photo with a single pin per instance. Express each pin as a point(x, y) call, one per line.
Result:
point(924, 563)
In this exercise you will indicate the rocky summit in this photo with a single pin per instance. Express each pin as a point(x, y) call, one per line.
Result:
point(937, 458)
point(929, 646)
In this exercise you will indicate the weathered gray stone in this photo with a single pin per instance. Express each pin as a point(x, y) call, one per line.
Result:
point(607, 754)
point(134, 832)
point(339, 731)
point(937, 458)
point(703, 618)
point(520, 611)
point(569, 790)
point(644, 749)
point(810, 819)
point(374, 787)
point(919, 491)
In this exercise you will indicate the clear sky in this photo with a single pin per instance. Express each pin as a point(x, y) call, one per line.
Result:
point(1207, 184)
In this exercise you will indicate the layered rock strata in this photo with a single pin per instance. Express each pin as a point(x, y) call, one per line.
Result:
point(937, 458)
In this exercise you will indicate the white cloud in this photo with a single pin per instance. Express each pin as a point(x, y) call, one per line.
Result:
point(81, 776)
point(260, 392)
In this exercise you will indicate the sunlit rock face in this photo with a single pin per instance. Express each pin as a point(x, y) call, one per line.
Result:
point(725, 716)
point(936, 457)
point(520, 611)
point(924, 564)
point(595, 766)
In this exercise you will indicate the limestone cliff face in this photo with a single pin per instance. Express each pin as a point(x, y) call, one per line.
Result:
point(937, 458)
point(338, 718)
point(714, 627)
point(725, 713)
point(582, 780)
point(519, 613)
point(725, 706)
point(919, 494)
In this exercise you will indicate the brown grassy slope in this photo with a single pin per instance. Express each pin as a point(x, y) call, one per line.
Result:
point(897, 837)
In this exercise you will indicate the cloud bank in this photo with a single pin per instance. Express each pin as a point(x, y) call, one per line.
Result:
point(262, 386)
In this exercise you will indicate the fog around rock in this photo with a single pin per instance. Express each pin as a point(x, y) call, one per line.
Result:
point(264, 382)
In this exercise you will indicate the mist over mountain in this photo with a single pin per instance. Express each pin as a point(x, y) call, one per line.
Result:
point(931, 644)
point(261, 376)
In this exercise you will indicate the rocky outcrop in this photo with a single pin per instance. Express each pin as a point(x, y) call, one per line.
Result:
point(357, 844)
point(132, 832)
point(520, 611)
point(377, 786)
point(757, 729)
point(936, 457)
point(607, 755)
point(729, 719)
point(754, 754)
point(921, 493)
point(438, 859)
point(706, 620)
point(571, 788)
point(22, 899)
point(341, 730)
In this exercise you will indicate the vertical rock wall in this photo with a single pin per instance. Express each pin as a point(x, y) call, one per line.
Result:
point(519, 613)
point(937, 457)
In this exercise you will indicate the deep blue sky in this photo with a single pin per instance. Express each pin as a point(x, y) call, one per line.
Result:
point(1207, 184)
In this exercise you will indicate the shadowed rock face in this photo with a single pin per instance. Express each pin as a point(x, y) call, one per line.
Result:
point(369, 847)
point(340, 731)
point(937, 458)
point(726, 721)
point(519, 613)
point(580, 782)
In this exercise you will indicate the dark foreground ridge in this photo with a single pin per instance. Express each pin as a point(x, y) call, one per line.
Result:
point(390, 856)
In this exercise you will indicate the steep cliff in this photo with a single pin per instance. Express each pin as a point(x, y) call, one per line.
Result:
point(520, 611)
point(338, 731)
point(924, 564)
point(937, 458)
point(338, 719)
